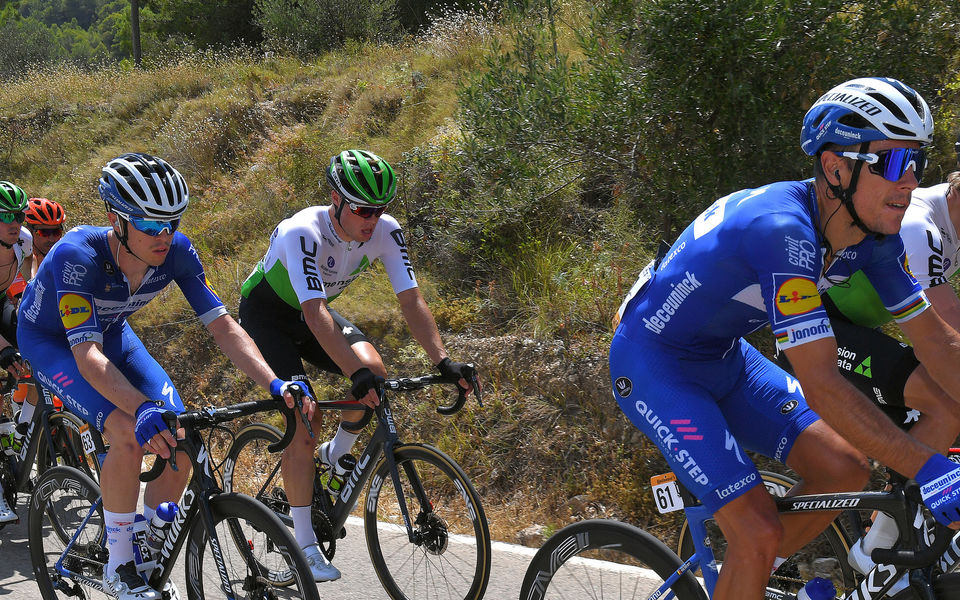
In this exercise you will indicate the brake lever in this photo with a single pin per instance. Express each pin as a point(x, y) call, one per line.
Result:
point(170, 418)
point(298, 406)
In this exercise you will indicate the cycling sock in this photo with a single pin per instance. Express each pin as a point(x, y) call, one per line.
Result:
point(119, 539)
point(777, 562)
point(26, 412)
point(883, 534)
point(341, 444)
point(303, 526)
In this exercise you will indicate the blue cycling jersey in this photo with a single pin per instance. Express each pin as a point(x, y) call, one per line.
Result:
point(80, 295)
point(754, 257)
point(79, 291)
point(679, 367)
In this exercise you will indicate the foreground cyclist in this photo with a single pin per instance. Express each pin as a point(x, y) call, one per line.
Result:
point(312, 257)
point(887, 370)
point(683, 374)
point(72, 323)
point(15, 251)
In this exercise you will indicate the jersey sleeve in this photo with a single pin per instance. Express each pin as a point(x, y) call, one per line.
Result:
point(78, 277)
point(193, 282)
point(396, 258)
point(786, 257)
point(890, 274)
point(923, 241)
point(26, 241)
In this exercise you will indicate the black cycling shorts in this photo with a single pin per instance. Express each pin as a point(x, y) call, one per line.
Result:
point(283, 336)
point(875, 363)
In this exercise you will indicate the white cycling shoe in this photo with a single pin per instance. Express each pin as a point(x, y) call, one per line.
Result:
point(320, 567)
point(126, 584)
point(7, 515)
point(862, 563)
point(323, 453)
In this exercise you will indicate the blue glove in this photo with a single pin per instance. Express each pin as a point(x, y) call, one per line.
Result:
point(939, 480)
point(278, 387)
point(149, 422)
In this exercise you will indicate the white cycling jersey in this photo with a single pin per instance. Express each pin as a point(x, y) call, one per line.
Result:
point(930, 237)
point(307, 259)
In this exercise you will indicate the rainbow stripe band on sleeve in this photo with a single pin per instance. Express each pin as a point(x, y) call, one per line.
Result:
point(911, 309)
point(782, 337)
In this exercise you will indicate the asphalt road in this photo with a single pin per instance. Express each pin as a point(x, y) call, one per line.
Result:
point(359, 582)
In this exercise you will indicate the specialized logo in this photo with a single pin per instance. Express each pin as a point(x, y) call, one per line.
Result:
point(75, 310)
point(801, 253)
point(797, 296)
point(822, 504)
point(623, 386)
point(857, 102)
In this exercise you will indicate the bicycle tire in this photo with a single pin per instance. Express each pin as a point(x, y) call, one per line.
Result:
point(452, 511)
point(68, 445)
point(825, 556)
point(60, 501)
point(272, 544)
point(604, 559)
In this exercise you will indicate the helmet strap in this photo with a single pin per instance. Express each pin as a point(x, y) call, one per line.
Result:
point(8, 246)
point(339, 210)
point(123, 235)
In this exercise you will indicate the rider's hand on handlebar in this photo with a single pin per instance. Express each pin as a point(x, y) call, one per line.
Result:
point(280, 388)
point(364, 388)
point(465, 371)
point(11, 360)
point(151, 430)
point(938, 479)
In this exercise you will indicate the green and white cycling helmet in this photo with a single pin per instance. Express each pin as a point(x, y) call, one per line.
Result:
point(362, 178)
point(12, 197)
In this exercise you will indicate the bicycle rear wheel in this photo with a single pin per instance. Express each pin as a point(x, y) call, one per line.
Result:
point(604, 560)
point(825, 556)
point(75, 444)
point(269, 549)
point(62, 498)
point(451, 558)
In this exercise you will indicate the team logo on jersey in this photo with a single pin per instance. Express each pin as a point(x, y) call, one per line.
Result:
point(796, 296)
point(788, 406)
point(209, 286)
point(75, 310)
point(906, 265)
point(623, 386)
point(330, 262)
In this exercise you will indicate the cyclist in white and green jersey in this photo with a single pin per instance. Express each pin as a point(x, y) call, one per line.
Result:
point(312, 257)
point(886, 369)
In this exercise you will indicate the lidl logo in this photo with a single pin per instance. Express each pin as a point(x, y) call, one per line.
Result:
point(75, 310)
point(797, 296)
point(906, 265)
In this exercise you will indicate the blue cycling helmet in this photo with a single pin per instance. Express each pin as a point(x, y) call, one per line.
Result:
point(863, 110)
point(140, 185)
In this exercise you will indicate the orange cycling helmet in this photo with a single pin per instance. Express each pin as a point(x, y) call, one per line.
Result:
point(41, 211)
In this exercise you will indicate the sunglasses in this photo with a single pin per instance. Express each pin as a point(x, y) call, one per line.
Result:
point(893, 163)
point(151, 227)
point(365, 212)
point(10, 216)
point(50, 232)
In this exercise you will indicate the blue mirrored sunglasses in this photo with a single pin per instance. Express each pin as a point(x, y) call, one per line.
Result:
point(893, 163)
point(152, 227)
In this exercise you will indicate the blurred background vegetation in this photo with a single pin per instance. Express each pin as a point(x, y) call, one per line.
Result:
point(544, 149)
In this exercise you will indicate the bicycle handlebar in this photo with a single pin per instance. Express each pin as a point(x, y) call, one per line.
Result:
point(206, 418)
point(406, 384)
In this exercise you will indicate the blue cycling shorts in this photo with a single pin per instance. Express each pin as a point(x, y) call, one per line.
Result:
point(54, 366)
point(703, 414)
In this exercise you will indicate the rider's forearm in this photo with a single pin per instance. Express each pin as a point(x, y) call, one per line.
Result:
point(331, 339)
point(104, 376)
point(865, 426)
point(422, 325)
point(241, 350)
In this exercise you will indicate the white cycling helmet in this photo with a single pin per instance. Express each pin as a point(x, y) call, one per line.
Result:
point(863, 110)
point(140, 185)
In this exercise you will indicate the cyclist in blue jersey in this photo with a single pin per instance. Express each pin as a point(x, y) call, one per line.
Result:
point(760, 256)
point(73, 326)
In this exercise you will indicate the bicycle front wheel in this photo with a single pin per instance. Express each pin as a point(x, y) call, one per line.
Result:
point(269, 549)
point(451, 555)
point(61, 500)
point(604, 560)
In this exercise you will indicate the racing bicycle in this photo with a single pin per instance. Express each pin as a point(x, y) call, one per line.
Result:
point(427, 539)
point(611, 559)
point(67, 537)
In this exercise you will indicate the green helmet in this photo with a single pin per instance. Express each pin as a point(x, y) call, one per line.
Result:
point(362, 178)
point(12, 198)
